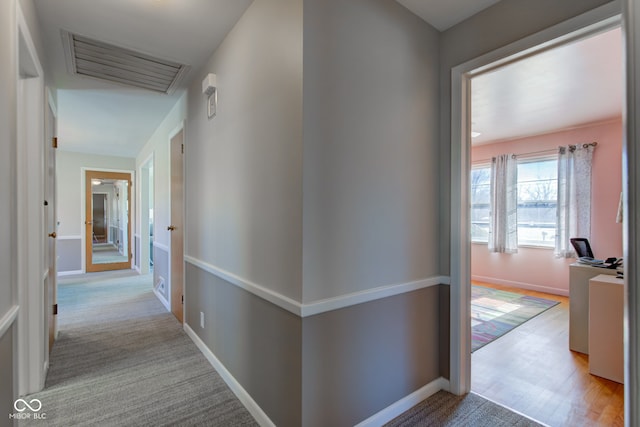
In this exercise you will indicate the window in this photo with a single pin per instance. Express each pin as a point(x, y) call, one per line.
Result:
point(537, 202)
point(480, 203)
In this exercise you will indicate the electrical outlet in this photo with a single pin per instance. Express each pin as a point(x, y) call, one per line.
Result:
point(202, 320)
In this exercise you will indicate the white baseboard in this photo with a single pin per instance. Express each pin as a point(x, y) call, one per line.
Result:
point(406, 403)
point(70, 273)
point(233, 384)
point(521, 285)
point(162, 299)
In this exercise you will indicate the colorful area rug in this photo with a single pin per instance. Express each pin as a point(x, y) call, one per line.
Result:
point(495, 312)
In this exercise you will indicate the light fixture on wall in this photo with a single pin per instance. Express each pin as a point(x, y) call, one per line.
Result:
point(209, 88)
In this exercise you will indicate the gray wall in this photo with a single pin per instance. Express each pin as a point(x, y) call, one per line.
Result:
point(497, 26)
point(7, 393)
point(8, 296)
point(161, 269)
point(69, 252)
point(370, 147)
point(243, 168)
point(258, 342)
point(359, 360)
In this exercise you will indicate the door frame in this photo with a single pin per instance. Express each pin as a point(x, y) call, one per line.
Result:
point(590, 23)
point(33, 337)
point(142, 223)
point(87, 173)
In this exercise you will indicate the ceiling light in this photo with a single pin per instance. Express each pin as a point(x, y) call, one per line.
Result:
point(475, 134)
point(96, 182)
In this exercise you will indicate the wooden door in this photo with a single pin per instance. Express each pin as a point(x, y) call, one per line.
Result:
point(176, 228)
point(120, 204)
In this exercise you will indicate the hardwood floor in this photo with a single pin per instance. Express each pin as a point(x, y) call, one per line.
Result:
point(532, 371)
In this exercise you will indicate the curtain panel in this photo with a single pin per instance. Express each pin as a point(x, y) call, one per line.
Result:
point(574, 197)
point(503, 224)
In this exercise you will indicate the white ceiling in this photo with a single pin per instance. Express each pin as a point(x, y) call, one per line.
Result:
point(566, 87)
point(104, 118)
point(443, 14)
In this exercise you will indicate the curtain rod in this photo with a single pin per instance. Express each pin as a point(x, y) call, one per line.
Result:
point(572, 147)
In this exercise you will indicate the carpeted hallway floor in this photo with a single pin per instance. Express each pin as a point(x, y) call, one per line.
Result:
point(122, 359)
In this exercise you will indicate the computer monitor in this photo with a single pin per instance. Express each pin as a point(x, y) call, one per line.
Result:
point(582, 247)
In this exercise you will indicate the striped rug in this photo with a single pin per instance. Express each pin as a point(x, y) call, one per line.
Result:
point(122, 360)
point(495, 312)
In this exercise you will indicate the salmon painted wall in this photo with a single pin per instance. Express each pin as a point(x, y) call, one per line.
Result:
point(536, 268)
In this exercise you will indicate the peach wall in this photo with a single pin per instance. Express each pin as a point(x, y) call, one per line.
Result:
point(534, 268)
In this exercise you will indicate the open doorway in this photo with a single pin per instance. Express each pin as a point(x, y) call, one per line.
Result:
point(522, 112)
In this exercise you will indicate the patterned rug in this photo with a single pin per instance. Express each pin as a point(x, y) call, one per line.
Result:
point(495, 312)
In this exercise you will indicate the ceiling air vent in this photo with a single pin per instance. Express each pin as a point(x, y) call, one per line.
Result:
point(104, 61)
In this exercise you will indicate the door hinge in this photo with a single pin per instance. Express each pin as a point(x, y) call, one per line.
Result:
point(54, 142)
point(182, 148)
point(182, 299)
point(55, 309)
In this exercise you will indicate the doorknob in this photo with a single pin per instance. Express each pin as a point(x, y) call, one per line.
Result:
point(52, 235)
point(171, 228)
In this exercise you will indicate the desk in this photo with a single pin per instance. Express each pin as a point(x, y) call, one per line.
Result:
point(606, 348)
point(579, 276)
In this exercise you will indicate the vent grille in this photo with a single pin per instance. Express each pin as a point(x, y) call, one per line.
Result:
point(104, 61)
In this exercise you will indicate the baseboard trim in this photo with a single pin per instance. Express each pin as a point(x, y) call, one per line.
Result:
point(406, 403)
point(7, 320)
point(244, 397)
point(521, 285)
point(321, 306)
point(70, 272)
point(162, 299)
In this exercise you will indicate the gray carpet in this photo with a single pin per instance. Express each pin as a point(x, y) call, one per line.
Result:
point(122, 359)
point(446, 409)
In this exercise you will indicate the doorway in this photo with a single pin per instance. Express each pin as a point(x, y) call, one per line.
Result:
point(107, 220)
point(461, 127)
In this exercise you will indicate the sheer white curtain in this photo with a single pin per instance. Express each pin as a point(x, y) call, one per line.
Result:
point(574, 197)
point(503, 224)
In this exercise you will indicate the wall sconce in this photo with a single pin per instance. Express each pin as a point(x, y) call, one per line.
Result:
point(209, 89)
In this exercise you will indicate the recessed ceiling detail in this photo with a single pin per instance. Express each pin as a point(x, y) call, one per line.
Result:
point(104, 61)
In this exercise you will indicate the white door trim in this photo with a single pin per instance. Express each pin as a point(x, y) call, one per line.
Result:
point(592, 22)
point(631, 189)
point(32, 334)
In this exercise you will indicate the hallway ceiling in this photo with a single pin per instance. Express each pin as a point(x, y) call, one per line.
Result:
point(445, 14)
point(562, 88)
point(101, 117)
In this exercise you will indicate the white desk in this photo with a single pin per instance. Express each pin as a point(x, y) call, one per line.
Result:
point(579, 276)
point(606, 347)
